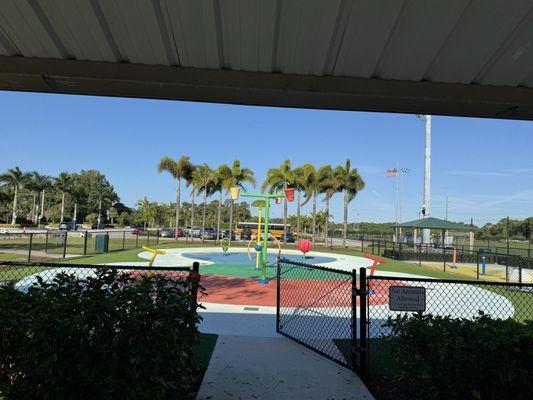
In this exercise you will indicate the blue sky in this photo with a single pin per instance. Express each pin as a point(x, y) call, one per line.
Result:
point(484, 166)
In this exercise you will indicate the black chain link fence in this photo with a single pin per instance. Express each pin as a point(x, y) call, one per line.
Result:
point(316, 309)
point(325, 309)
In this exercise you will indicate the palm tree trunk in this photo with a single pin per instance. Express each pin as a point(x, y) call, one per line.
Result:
point(298, 213)
point(218, 216)
point(178, 199)
point(203, 213)
point(345, 218)
point(192, 213)
point(63, 207)
point(314, 217)
point(230, 218)
point(34, 209)
point(14, 215)
point(285, 220)
point(42, 206)
point(326, 223)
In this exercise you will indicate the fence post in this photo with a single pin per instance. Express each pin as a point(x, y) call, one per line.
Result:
point(65, 245)
point(354, 320)
point(157, 238)
point(399, 250)
point(136, 240)
point(420, 254)
point(278, 293)
point(444, 257)
point(477, 265)
point(379, 247)
point(147, 237)
point(85, 242)
point(363, 364)
point(123, 240)
point(30, 246)
point(46, 242)
point(372, 246)
point(195, 282)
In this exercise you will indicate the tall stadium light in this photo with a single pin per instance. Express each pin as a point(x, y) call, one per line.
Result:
point(427, 178)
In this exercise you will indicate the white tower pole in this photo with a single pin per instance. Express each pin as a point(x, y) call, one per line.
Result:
point(427, 178)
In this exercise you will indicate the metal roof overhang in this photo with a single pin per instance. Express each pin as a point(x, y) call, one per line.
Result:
point(454, 57)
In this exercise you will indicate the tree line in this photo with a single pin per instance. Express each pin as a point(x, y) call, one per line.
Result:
point(29, 197)
point(308, 181)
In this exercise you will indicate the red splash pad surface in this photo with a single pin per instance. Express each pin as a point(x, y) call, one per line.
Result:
point(312, 293)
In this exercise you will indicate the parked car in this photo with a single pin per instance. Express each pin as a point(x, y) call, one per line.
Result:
point(97, 225)
point(210, 234)
point(226, 234)
point(67, 226)
point(289, 238)
point(246, 234)
point(137, 231)
point(167, 233)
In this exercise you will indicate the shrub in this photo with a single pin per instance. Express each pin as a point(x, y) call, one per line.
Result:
point(441, 357)
point(116, 336)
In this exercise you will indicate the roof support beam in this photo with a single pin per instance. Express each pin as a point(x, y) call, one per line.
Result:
point(265, 89)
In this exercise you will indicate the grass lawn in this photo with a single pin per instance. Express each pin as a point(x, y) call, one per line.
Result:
point(12, 257)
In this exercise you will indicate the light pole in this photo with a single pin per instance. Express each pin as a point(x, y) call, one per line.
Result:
point(426, 234)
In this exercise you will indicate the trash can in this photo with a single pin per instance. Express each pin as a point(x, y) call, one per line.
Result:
point(101, 243)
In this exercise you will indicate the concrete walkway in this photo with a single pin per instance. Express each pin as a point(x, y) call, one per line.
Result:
point(264, 368)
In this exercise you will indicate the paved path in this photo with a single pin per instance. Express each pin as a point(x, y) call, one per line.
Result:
point(37, 253)
point(275, 368)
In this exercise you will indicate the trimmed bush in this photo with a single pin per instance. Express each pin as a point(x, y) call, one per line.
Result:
point(116, 336)
point(445, 358)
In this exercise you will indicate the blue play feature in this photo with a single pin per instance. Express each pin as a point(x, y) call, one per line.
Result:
point(242, 258)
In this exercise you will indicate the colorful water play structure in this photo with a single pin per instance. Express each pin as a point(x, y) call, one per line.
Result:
point(304, 246)
point(154, 253)
point(264, 203)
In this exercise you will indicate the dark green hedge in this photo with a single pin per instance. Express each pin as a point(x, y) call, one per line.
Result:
point(116, 336)
point(444, 358)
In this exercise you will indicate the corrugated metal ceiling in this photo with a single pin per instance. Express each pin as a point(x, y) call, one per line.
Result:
point(482, 42)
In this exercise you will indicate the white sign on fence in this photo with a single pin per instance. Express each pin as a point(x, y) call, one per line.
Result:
point(407, 298)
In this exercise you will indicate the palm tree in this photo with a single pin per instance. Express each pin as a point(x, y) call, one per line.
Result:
point(13, 179)
point(312, 188)
point(350, 183)
point(299, 187)
point(328, 186)
point(41, 183)
point(201, 179)
point(222, 173)
point(237, 177)
point(277, 179)
point(148, 211)
point(190, 181)
point(181, 169)
point(63, 183)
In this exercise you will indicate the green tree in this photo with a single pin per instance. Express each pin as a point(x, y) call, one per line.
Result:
point(329, 185)
point(201, 180)
point(13, 179)
point(237, 177)
point(222, 174)
point(63, 183)
point(350, 183)
point(299, 187)
point(179, 170)
point(312, 187)
point(278, 179)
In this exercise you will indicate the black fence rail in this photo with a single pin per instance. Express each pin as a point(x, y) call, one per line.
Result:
point(51, 244)
point(316, 308)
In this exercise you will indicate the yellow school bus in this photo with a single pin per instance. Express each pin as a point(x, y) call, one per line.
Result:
point(276, 229)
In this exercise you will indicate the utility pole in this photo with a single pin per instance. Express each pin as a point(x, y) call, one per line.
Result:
point(446, 218)
point(426, 207)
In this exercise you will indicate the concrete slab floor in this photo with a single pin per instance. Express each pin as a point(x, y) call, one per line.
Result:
point(276, 368)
